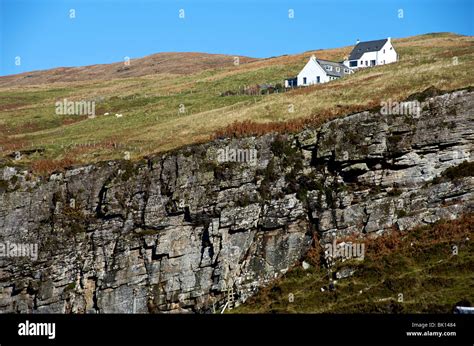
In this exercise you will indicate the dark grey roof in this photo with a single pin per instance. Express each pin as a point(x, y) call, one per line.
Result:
point(334, 72)
point(363, 47)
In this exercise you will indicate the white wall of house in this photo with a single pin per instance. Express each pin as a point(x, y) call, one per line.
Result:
point(388, 54)
point(310, 73)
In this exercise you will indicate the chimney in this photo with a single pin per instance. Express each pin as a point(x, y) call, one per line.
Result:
point(389, 39)
point(358, 41)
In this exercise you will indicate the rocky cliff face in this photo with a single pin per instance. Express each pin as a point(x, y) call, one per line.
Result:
point(192, 229)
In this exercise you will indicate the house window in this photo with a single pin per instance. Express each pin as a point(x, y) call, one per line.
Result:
point(346, 70)
point(384, 51)
point(329, 68)
point(318, 79)
point(366, 63)
point(338, 69)
point(353, 63)
point(304, 80)
point(372, 62)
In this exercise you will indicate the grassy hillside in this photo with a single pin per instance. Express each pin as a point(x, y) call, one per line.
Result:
point(419, 265)
point(172, 63)
point(150, 104)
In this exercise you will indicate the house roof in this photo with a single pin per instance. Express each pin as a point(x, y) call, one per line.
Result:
point(333, 72)
point(364, 47)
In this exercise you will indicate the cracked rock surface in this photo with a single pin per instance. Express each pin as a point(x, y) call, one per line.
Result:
point(178, 232)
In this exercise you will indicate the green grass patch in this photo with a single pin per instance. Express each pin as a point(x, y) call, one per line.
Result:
point(420, 275)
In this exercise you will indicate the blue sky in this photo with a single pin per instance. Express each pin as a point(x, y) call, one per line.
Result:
point(42, 34)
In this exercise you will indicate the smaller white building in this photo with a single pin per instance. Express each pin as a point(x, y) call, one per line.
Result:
point(318, 71)
point(372, 53)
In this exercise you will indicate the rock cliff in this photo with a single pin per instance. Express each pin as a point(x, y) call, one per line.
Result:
point(190, 230)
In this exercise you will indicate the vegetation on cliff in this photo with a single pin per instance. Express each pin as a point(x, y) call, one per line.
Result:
point(425, 270)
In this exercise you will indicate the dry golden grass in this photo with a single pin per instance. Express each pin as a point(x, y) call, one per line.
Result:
point(152, 124)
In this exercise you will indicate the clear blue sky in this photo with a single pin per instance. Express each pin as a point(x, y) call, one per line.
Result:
point(43, 35)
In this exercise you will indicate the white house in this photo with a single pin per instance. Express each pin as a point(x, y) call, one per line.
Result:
point(372, 53)
point(320, 71)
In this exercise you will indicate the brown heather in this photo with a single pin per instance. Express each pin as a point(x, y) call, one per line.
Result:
point(149, 98)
